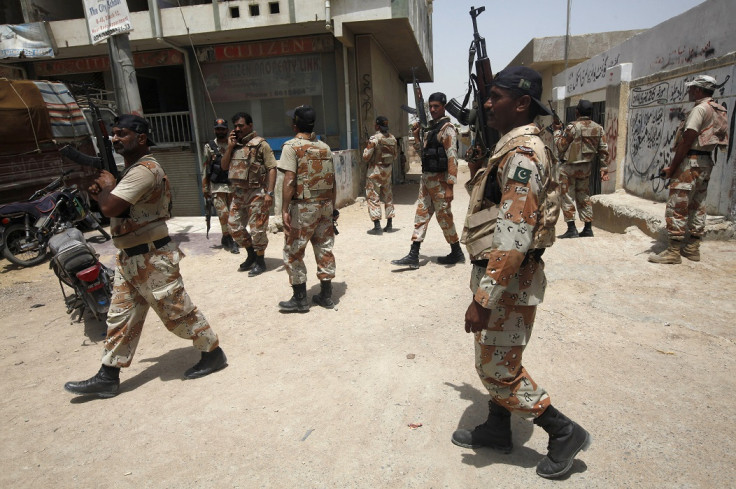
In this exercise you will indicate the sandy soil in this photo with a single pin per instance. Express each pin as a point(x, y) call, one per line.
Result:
point(641, 355)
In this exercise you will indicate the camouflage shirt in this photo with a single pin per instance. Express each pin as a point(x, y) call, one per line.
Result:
point(145, 186)
point(213, 187)
point(582, 140)
point(381, 149)
point(311, 161)
point(527, 212)
point(447, 135)
point(250, 162)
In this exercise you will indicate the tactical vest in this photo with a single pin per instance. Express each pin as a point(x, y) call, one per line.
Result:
point(215, 173)
point(584, 147)
point(434, 157)
point(485, 197)
point(717, 131)
point(386, 149)
point(155, 206)
point(246, 167)
point(315, 174)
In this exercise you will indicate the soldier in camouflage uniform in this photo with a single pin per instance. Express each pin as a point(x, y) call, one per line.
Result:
point(514, 205)
point(215, 183)
point(252, 170)
point(308, 211)
point(379, 154)
point(147, 270)
point(582, 140)
point(439, 175)
point(704, 130)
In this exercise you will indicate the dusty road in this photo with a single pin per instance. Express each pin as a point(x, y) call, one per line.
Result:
point(641, 355)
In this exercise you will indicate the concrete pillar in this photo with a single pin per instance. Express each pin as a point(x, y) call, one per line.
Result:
point(123, 75)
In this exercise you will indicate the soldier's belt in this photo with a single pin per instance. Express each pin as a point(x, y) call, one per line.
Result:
point(145, 248)
point(535, 254)
point(697, 152)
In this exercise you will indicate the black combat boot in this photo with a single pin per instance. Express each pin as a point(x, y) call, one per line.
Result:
point(234, 248)
point(225, 242)
point(389, 225)
point(376, 228)
point(571, 232)
point(587, 231)
point(298, 301)
point(494, 433)
point(456, 255)
point(259, 267)
point(566, 439)
point(249, 261)
point(208, 363)
point(412, 259)
point(104, 384)
point(324, 298)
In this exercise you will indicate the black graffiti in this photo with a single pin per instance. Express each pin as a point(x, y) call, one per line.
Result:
point(641, 97)
point(591, 72)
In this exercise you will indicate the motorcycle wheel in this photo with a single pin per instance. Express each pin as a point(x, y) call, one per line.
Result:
point(15, 238)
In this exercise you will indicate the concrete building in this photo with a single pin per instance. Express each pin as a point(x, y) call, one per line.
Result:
point(351, 60)
point(638, 89)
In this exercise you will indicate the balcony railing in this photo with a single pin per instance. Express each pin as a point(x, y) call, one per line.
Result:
point(171, 128)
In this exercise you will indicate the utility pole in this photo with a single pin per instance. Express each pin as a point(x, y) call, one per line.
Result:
point(124, 80)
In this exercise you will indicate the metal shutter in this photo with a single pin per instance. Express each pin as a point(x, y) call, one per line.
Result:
point(181, 168)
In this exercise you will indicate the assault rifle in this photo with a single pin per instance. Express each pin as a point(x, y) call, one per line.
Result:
point(105, 159)
point(479, 85)
point(420, 111)
point(555, 118)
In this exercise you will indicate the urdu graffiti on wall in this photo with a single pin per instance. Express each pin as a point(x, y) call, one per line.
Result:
point(656, 112)
point(366, 104)
point(588, 73)
point(684, 55)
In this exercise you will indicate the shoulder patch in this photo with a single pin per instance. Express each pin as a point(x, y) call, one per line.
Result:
point(521, 175)
point(524, 150)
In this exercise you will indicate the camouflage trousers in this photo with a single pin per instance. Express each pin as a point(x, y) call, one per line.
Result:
point(310, 222)
point(685, 209)
point(575, 179)
point(432, 188)
point(221, 201)
point(248, 210)
point(498, 356)
point(377, 189)
point(151, 280)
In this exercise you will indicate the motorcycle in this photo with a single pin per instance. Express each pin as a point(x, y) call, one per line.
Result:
point(27, 227)
point(77, 266)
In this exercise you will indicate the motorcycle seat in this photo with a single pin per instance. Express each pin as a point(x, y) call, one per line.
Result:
point(75, 258)
point(36, 208)
point(71, 252)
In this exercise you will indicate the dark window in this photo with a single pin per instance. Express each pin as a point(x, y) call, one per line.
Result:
point(234, 12)
point(255, 10)
point(274, 7)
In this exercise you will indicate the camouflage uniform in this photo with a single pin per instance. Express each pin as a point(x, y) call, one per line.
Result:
point(685, 211)
point(150, 279)
point(380, 153)
point(221, 193)
point(505, 233)
point(434, 185)
point(584, 139)
point(248, 172)
point(310, 208)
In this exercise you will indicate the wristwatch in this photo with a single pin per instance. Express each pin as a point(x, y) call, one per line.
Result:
point(269, 194)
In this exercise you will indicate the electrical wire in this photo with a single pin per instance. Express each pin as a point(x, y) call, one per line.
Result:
point(196, 60)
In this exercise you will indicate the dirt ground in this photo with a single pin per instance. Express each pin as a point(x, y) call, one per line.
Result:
point(642, 355)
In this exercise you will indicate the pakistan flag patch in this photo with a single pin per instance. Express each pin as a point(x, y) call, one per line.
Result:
point(521, 175)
